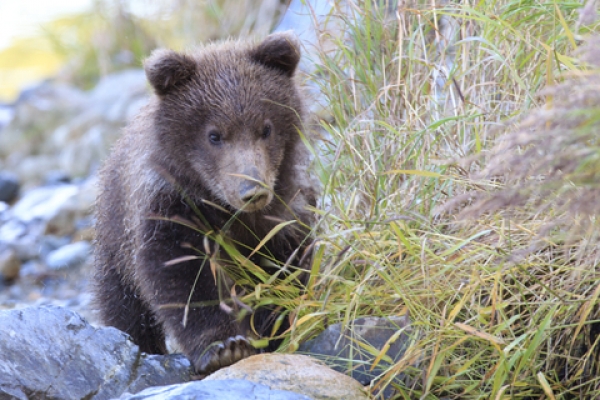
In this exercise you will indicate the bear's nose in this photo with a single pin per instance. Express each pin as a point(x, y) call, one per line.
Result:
point(251, 190)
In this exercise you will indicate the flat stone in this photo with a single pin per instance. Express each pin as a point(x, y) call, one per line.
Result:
point(231, 389)
point(22, 237)
point(44, 203)
point(70, 256)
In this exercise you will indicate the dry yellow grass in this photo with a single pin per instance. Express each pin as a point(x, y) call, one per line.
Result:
point(475, 214)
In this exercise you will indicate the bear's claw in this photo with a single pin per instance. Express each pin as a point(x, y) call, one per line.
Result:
point(223, 354)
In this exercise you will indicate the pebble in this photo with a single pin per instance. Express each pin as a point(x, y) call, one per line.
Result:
point(9, 186)
point(10, 265)
point(44, 203)
point(69, 256)
point(32, 269)
point(50, 243)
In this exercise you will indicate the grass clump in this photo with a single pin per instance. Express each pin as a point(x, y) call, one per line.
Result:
point(459, 167)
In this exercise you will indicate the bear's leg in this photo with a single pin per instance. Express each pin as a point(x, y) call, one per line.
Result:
point(122, 308)
point(185, 298)
point(208, 336)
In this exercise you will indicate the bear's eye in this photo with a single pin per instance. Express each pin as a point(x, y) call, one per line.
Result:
point(215, 137)
point(266, 131)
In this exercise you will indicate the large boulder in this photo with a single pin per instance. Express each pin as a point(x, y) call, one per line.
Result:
point(296, 373)
point(52, 353)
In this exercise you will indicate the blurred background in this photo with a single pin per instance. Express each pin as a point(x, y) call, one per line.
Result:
point(82, 40)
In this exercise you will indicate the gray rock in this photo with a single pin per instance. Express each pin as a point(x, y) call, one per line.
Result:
point(116, 91)
point(44, 203)
point(80, 157)
point(52, 353)
point(31, 270)
point(69, 256)
point(80, 144)
point(57, 208)
point(9, 187)
point(49, 95)
point(57, 127)
point(50, 243)
point(339, 347)
point(134, 108)
point(22, 237)
point(32, 169)
point(12, 229)
point(233, 389)
point(37, 111)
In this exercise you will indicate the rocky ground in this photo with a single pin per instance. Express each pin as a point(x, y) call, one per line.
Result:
point(50, 352)
point(49, 152)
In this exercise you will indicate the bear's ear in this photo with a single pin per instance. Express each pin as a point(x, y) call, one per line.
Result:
point(167, 70)
point(279, 51)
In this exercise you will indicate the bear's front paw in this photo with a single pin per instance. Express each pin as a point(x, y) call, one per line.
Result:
point(223, 354)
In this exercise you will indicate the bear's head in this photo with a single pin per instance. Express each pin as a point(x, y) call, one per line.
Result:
point(228, 116)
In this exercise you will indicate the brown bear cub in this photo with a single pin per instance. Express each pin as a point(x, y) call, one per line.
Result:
point(217, 151)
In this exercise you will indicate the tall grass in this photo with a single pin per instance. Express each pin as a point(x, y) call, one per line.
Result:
point(455, 203)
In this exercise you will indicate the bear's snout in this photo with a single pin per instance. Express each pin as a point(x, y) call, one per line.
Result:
point(252, 191)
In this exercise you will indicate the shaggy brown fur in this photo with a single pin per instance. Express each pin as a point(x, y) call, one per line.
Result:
point(221, 137)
